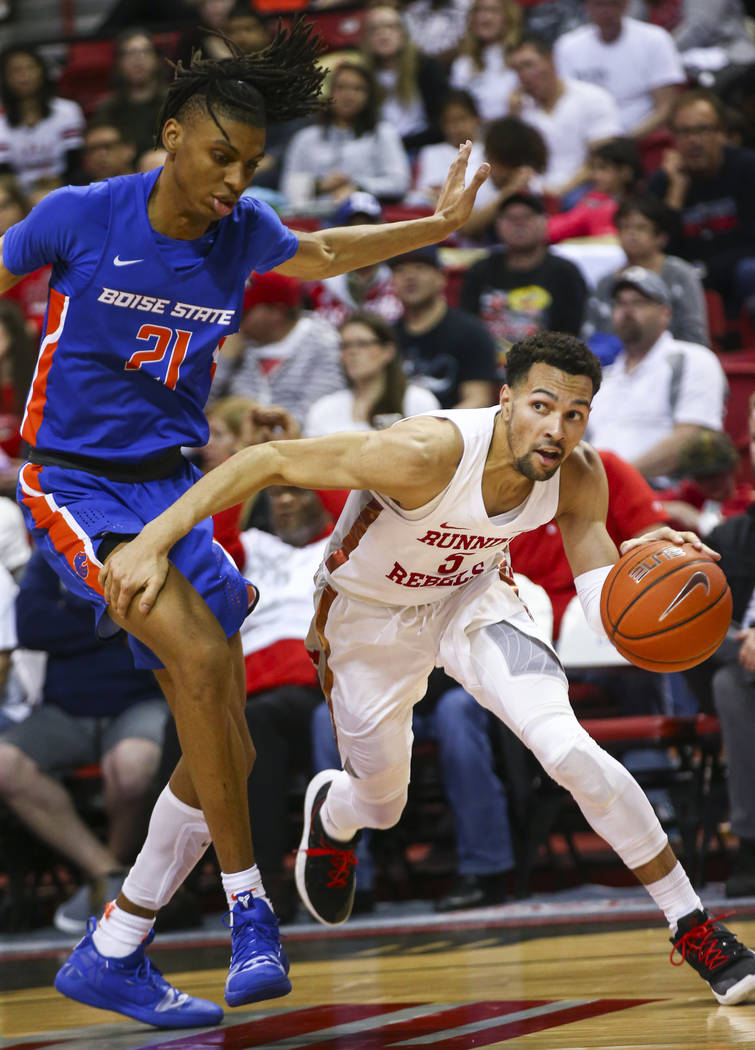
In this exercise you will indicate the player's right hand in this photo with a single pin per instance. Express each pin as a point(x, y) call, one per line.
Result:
point(133, 569)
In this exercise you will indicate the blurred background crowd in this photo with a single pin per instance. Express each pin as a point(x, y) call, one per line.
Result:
point(620, 136)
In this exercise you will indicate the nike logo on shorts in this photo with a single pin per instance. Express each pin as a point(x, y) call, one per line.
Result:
point(117, 261)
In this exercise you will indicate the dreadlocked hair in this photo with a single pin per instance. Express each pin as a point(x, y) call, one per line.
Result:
point(279, 83)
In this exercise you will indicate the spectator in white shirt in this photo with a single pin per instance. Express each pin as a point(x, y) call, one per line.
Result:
point(40, 134)
point(378, 393)
point(481, 66)
point(459, 121)
point(571, 115)
point(411, 84)
point(281, 355)
point(659, 391)
point(349, 149)
point(637, 62)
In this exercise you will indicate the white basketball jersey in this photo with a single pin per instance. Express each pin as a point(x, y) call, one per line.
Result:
point(381, 552)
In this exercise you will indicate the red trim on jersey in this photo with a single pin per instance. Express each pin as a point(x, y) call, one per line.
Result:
point(64, 538)
point(326, 675)
point(354, 535)
point(38, 397)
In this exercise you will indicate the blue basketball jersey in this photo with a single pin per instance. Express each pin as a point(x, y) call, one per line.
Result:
point(134, 320)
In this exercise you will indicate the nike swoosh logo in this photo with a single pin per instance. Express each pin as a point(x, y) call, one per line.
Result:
point(454, 528)
point(697, 579)
point(117, 261)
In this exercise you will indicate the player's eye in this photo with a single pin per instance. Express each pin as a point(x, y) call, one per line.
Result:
point(220, 158)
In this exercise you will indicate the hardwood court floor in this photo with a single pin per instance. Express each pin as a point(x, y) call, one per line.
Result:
point(447, 987)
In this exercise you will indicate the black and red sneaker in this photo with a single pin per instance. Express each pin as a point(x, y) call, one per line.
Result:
point(713, 950)
point(324, 869)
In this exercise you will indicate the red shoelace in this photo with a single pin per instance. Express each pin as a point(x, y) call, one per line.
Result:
point(341, 863)
point(703, 941)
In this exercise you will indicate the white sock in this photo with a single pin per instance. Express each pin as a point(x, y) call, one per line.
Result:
point(674, 895)
point(177, 837)
point(331, 829)
point(119, 933)
point(249, 881)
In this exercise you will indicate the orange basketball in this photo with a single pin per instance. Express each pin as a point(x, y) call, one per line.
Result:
point(666, 607)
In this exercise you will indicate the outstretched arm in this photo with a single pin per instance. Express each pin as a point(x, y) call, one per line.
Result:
point(343, 248)
point(410, 462)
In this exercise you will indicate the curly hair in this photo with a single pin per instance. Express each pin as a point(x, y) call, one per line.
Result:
point(279, 83)
point(556, 349)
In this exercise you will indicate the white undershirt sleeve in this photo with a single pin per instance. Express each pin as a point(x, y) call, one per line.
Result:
point(589, 585)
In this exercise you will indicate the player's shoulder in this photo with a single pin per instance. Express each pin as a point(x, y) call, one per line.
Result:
point(75, 206)
point(583, 468)
point(253, 213)
point(435, 439)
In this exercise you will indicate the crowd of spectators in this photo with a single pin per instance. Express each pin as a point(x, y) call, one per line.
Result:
point(618, 207)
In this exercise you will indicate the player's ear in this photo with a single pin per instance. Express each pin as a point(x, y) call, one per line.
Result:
point(506, 400)
point(171, 134)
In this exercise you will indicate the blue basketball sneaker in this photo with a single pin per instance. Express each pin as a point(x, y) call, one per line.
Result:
point(132, 986)
point(259, 965)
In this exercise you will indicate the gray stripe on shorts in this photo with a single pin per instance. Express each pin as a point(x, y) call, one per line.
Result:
point(523, 653)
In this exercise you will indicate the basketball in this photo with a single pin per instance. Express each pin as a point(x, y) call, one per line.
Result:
point(665, 607)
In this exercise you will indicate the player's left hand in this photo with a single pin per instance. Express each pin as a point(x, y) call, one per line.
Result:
point(133, 569)
point(665, 532)
point(455, 201)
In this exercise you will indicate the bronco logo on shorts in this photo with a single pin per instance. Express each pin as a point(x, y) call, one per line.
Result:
point(81, 565)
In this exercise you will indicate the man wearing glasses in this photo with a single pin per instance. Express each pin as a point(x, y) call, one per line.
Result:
point(708, 185)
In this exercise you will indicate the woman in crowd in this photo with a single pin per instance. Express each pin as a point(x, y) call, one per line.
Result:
point(494, 26)
point(349, 149)
point(139, 77)
point(378, 393)
point(459, 121)
point(40, 134)
point(411, 85)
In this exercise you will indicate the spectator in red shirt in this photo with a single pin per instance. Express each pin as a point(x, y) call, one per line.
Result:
point(615, 169)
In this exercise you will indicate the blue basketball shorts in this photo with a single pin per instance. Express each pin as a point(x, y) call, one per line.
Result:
point(69, 512)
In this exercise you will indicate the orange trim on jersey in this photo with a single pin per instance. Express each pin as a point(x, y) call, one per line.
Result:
point(65, 539)
point(35, 406)
point(326, 675)
point(354, 535)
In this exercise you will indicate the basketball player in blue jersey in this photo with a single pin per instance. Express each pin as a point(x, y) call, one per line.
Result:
point(148, 278)
point(415, 575)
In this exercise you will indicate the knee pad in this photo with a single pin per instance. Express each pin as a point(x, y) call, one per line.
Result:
point(610, 798)
point(592, 775)
point(573, 759)
point(380, 798)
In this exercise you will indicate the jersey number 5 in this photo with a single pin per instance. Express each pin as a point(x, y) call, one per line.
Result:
point(173, 342)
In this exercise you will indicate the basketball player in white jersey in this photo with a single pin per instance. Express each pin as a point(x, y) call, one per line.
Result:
point(416, 575)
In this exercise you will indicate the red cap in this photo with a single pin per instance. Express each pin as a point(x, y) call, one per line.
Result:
point(273, 289)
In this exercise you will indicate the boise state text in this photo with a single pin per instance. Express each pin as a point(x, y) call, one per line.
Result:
point(449, 573)
point(167, 307)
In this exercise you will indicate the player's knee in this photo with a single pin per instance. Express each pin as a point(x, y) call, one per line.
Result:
point(203, 672)
point(577, 763)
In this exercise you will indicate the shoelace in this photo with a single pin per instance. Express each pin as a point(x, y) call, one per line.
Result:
point(341, 863)
point(713, 946)
point(147, 971)
point(264, 939)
